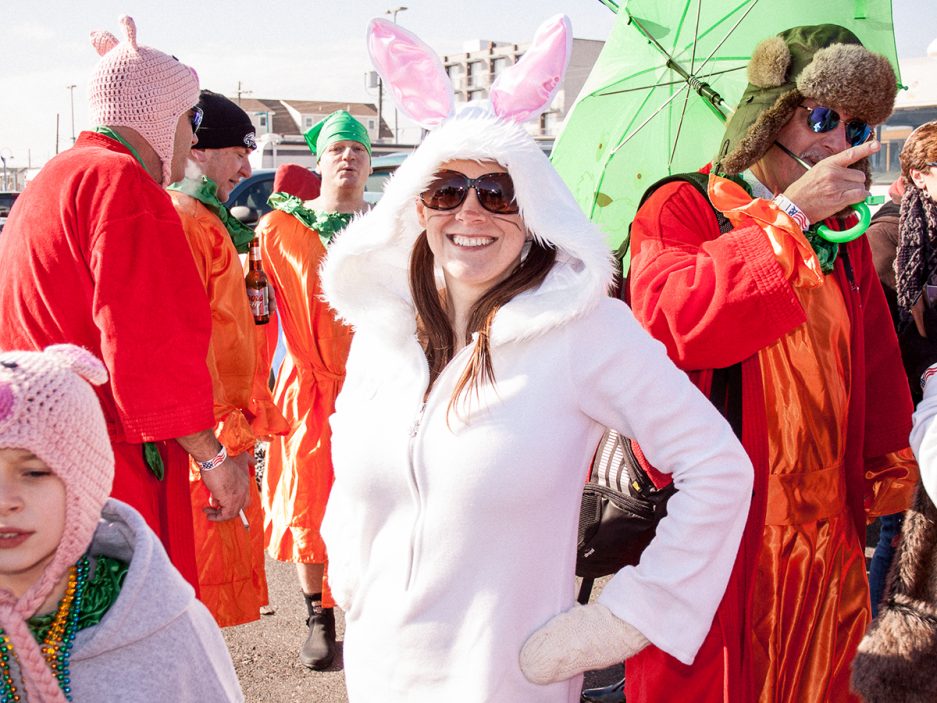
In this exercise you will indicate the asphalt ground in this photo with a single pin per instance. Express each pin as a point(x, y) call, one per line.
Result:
point(265, 652)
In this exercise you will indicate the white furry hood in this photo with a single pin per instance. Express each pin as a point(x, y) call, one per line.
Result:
point(365, 277)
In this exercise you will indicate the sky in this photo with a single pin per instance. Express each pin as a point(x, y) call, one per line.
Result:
point(297, 49)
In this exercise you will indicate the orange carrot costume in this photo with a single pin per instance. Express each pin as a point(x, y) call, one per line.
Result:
point(298, 475)
point(230, 559)
point(825, 416)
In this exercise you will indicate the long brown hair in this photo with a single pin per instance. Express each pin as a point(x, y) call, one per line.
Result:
point(437, 335)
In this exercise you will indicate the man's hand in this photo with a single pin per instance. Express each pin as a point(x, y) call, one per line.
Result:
point(228, 484)
point(583, 638)
point(831, 185)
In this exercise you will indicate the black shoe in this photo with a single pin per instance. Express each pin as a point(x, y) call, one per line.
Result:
point(318, 650)
point(615, 693)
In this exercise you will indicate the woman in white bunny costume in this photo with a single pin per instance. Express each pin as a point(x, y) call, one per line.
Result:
point(452, 523)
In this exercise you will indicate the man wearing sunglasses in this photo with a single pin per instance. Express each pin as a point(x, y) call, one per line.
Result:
point(734, 272)
point(95, 255)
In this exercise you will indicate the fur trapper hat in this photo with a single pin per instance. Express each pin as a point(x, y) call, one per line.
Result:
point(366, 274)
point(824, 62)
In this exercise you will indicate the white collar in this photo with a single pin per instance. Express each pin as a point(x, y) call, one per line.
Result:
point(759, 189)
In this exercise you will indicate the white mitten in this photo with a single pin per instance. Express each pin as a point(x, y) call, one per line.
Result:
point(583, 638)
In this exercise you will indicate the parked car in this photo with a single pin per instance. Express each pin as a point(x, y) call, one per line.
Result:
point(382, 168)
point(7, 198)
point(250, 195)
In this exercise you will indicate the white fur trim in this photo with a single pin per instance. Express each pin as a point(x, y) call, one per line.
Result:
point(365, 276)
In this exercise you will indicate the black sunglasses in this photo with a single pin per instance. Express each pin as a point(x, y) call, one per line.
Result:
point(196, 118)
point(823, 119)
point(449, 189)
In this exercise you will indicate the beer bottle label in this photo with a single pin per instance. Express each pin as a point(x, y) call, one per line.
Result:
point(258, 301)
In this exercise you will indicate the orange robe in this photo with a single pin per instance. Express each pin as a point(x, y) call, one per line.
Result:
point(298, 475)
point(230, 559)
point(826, 441)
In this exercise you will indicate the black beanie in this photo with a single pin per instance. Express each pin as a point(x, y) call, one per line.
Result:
point(224, 124)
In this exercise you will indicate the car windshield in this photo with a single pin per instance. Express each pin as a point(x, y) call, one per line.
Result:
point(6, 201)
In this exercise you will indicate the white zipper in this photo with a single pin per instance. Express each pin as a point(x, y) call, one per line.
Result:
point(415, 487)
point(414, 483)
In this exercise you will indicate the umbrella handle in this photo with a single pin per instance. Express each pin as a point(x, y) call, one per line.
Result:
point(857, 230)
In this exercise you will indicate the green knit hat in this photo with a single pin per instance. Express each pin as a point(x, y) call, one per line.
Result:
point(824, 62)
point(337, 127)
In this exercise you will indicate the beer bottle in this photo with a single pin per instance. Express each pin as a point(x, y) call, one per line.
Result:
point(256, 282)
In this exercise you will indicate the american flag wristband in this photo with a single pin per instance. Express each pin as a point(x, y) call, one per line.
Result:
point(214, 462)
point(931, 371)
point(794, 212)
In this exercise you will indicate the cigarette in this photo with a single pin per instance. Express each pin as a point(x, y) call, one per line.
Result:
point(244, 521)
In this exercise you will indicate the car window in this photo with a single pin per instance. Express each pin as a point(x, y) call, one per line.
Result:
point(6, 201)
point(376, 180)
point(255, 195)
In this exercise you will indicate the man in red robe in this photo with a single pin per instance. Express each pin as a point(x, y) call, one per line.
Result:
point(94, 254)
point(826, 410)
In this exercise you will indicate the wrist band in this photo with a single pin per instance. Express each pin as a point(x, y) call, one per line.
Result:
point(931, 371)
point(794, 212)
point(214, 462)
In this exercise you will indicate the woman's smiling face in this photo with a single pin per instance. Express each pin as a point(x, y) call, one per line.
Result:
point(475, 248)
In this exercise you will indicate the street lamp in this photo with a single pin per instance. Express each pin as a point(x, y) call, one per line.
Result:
point(71, 97)
point(393, 12)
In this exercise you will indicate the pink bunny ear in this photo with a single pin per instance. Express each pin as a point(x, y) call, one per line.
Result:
point(526, 89)
point(103, 42)
point(413, 72)
point(130, 27)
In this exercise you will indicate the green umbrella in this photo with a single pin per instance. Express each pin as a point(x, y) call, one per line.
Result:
point(671, 71)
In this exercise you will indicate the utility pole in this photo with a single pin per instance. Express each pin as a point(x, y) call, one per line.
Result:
point(71, 96)
point(241, 92)
point(56, 133)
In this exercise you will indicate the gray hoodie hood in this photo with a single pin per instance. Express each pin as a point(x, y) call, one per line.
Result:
point(156, 642)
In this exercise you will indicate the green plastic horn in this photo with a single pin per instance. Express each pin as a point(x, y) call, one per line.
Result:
point(858, 229)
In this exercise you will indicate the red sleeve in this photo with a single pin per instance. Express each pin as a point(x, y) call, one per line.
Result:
point(712, 299)
point(155, 324)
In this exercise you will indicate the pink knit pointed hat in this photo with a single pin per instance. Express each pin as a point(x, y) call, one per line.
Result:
point(141, 88)
point(48, 407)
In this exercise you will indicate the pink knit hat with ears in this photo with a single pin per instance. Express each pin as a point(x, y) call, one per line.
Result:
point(142, 88)
point(48, 407)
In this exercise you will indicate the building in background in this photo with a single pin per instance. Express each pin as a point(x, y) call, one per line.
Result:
point(474, 70)
point(915, 105)
point(280, 125)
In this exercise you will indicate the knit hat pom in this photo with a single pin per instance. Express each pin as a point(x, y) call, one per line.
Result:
point(79, 361)
point(103, 41)
point(130, 27)
point(770, 63)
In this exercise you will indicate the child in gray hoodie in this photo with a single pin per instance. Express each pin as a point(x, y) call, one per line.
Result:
point(90, 607)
